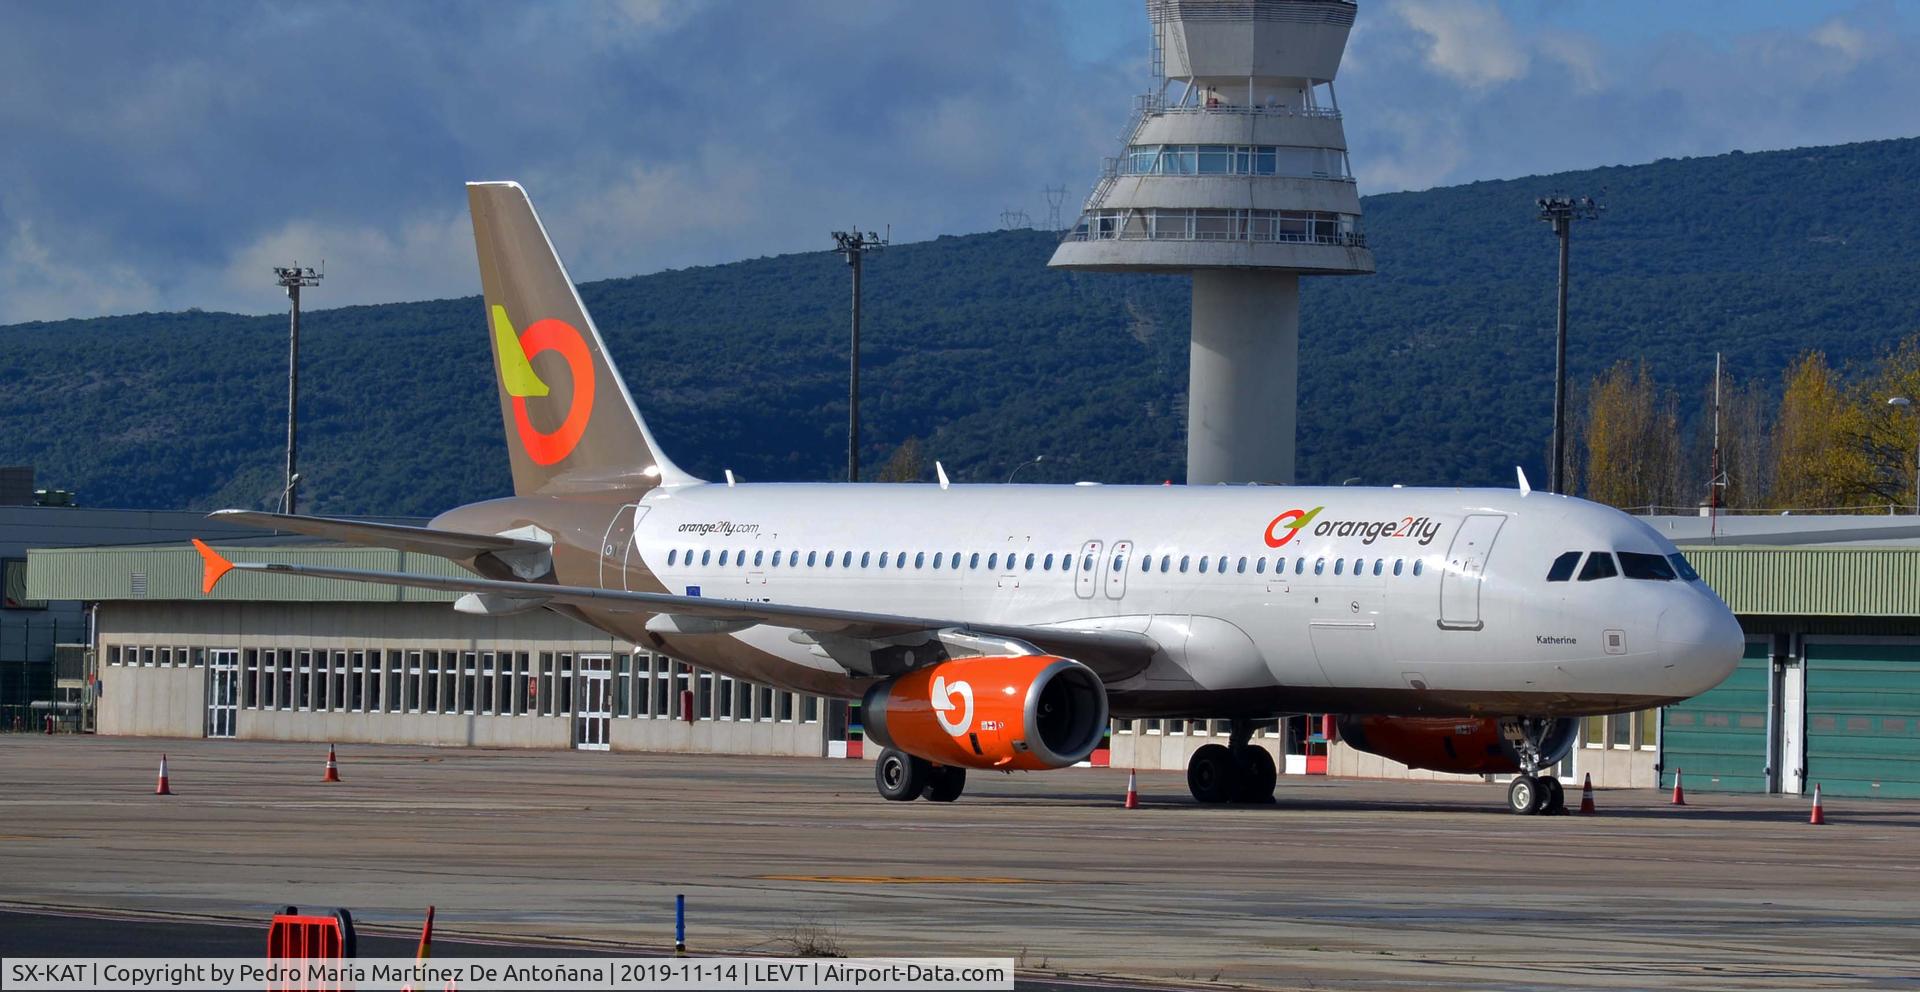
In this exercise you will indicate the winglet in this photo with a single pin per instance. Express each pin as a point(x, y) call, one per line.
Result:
point(1526, 488)
point(941, 471)
point(217, 566)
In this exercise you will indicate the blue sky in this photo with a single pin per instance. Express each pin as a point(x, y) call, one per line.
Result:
point(164, 156)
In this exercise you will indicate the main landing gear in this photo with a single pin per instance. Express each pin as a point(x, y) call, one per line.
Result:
point(902, 778)
point(1531, 793)
point(1236, 772)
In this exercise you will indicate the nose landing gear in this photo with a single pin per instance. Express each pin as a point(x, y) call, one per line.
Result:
point(1531, 793)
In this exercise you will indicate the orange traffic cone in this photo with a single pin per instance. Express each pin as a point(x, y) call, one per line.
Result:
point(333, 767)
point(425, 950)
point(1133, 794)
point(1819, 817)
point(163, 789)
point(1679, 796)
point(1586, 796)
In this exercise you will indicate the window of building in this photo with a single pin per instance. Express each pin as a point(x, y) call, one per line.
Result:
point(703, 697)
point(357, 681)
point(1599, 566)
point(13, 586)
point(250, 678)
point(765, 710)
point(725, 700)
point(810, 709)
point(662, 687)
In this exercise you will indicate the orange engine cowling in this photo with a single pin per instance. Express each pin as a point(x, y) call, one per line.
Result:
point(1467, 745)
point(1026, 712)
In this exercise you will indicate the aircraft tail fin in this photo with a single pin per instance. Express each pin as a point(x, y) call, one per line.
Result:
point(571, 424)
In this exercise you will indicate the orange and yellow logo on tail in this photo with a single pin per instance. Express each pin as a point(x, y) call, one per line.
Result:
point(517, 376)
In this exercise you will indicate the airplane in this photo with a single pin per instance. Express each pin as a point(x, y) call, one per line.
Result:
point(1000, 627)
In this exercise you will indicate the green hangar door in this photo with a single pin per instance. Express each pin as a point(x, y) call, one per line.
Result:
point(1718, 739)
point(1863, 717)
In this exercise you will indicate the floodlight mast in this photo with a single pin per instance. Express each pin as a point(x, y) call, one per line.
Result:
point(854, 245)
point(1561, 211)
point(292, 278)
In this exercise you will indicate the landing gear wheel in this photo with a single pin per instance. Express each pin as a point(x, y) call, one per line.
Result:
point(1525, 795)
point(1256, 775)
point(1211, 774)
point(945, 783)
point(1556, 795)
point(900, 776)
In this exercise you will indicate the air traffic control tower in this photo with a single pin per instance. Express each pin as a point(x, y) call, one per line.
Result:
point(1235, 170)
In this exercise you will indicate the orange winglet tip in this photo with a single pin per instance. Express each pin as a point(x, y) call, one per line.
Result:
point(217, 566)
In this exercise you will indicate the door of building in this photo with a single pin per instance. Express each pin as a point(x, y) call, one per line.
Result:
point(1718, 739)
point(1863, 735)
point(1790, 726)
point(593, 716)
point(223, 692)
point(1466, 566)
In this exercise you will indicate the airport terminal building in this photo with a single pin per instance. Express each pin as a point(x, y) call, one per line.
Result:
point(1829, 690)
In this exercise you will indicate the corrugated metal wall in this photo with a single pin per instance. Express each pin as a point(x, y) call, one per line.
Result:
point(1813, 581)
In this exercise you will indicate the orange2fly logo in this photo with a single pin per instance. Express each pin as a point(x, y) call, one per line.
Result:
point(1292, 522)
point(515, 353)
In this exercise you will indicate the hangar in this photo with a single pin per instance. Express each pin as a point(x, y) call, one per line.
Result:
point(1829, 691)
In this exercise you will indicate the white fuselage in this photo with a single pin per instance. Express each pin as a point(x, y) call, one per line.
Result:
point(1386, 597)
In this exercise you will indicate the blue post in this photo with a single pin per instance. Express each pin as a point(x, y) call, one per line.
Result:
point(680, 924)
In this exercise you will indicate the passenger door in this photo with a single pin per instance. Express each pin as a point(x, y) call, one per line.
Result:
point(1117, 569)
point(1086, 570)
point(1465, 570)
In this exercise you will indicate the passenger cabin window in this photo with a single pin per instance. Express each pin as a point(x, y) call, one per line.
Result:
point(757, 556)
point(811, 557)
point(723, 556)
point(1165, 561)
point(1416, 566)
point(1259, 566)
point(776, 559)
point(1397, 562)
point(1599, 566)
point(1319, 566)
point(1639, 565)
point(1029, 561)
point(1563, 567)
point(1339, 566)
point(1203, 564)
point(705, 557)
point(671, 555)
point(973, 560)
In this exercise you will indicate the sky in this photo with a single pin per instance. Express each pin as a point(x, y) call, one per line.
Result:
point(161, 156)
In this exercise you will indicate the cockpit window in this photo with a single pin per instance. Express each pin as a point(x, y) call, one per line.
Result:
point(1682, 567)
point(1638, 565)
point(1599, 566)
point(1563, 567)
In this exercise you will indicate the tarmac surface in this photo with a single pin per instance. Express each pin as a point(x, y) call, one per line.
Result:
point(1340, 885)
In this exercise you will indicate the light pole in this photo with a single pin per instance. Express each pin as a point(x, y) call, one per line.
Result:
point(1561, 212)
point(855, 245)
point(1037, 459)
point(1902, 401)
point(292, 279)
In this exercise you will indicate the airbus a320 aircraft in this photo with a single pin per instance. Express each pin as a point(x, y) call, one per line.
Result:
point(997, 627)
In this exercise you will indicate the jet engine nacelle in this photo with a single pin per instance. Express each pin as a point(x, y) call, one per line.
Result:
point(1027, 712)
point(1472, 746)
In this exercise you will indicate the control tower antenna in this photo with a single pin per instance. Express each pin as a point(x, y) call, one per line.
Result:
point(293, 278)
point(1235, 170)
point(855, 245)
point(1056, 197)
point(1561, 212)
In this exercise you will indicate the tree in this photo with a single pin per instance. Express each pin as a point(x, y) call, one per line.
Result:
point(1816, 460)
point(1884, 436)
point(908, 463)
point(1632, 439)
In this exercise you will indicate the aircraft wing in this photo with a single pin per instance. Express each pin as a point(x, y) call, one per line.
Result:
point(425, 540)
point(1112, 654)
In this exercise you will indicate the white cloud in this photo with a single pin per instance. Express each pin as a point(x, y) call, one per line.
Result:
point(39, 281)
point(1467, 41)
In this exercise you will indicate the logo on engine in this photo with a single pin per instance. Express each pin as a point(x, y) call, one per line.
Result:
point(943, 704)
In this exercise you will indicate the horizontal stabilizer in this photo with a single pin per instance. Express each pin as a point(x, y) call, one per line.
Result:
point(425, 540)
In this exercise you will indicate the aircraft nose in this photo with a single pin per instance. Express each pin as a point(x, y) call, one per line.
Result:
point(1702, 643)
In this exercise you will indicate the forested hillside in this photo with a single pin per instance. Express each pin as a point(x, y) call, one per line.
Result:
point(1436, 370)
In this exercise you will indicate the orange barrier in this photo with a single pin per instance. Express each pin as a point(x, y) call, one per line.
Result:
point(1679, 796)
point(293, 936)
point(333, 767)
point(163, 789)
point(1586, 796)
point(1133, 794)
point(1819, 817)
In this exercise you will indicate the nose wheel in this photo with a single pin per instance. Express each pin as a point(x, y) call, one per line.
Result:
point(1531, 795)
